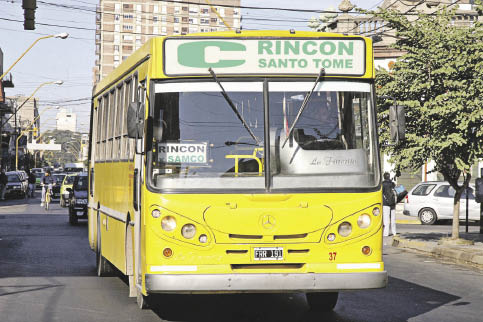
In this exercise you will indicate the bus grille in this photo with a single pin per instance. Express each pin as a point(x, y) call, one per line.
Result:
point(267, 266)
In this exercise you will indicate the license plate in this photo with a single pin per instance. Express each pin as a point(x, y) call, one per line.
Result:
point(268, 253)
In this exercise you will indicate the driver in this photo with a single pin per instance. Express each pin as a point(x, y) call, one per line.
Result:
point(47, 182)
point(320, 120)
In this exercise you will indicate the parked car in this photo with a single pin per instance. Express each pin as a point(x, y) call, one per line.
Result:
point(64, 193)
point(58, 178)
point(78, 199)
point(15, 185)
point(433, 200)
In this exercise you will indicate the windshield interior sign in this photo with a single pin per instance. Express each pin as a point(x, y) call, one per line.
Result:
point(189, 56)
point(186, 153)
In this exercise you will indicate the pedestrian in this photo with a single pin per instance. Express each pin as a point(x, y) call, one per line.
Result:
point(389, 200)
point(32, 180)
point(47, 182)
point(3, 184)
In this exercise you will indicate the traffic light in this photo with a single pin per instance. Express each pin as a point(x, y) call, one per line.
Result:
point(35, 132)
point(29, 7)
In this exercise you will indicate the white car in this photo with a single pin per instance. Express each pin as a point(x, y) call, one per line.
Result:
point(433, 200)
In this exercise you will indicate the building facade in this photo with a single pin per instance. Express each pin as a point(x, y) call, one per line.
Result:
point(66, 120)
point(368, 26)
point(123, 26)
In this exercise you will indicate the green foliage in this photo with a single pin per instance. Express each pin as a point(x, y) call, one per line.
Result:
point(69, 152)
point(440, 80)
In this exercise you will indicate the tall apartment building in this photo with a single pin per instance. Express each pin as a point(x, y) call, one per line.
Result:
point(122, 26)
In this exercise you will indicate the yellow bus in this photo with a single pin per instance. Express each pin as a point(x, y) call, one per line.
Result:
point(239, 162)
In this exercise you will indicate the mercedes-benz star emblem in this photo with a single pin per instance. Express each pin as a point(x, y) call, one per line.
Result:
point(268, 222)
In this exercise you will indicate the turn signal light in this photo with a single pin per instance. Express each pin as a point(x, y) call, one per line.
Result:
point(366, 250)
point(167, 252)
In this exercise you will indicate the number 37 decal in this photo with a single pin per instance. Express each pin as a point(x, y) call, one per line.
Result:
point(332, 256)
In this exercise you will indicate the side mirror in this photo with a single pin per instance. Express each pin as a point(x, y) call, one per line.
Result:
point(479, 190)
point(397, 123)
point(135, 118)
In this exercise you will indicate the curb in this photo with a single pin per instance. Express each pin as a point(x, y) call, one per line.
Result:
point(408, 221)
point(461, 255)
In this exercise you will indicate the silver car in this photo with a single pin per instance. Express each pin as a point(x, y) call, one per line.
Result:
point(433, 200)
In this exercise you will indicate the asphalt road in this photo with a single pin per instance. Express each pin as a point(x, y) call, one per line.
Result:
point(47, 273)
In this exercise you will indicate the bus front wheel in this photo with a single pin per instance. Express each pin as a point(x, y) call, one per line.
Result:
point(323, 301)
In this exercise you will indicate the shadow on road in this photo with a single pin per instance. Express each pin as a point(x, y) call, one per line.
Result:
point(400, 301)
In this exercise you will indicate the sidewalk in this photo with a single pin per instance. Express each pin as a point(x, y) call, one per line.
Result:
point(429, 243)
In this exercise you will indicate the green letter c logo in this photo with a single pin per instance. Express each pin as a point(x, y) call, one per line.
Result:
point(192, 54)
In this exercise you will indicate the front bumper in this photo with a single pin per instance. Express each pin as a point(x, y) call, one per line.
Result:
point(253, 283)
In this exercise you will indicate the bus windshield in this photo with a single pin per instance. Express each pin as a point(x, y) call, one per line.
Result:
point(200, 143)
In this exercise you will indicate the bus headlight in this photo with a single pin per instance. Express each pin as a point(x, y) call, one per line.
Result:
point(364, 221)
point(188, 231)
point(345, 229)
point(203, 239)
point(156, 213)
point(168, 223)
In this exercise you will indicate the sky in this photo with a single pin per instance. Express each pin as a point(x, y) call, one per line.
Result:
point(72, 59)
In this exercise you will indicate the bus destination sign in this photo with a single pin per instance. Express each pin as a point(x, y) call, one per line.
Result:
point(338, 56)
point(186, 153)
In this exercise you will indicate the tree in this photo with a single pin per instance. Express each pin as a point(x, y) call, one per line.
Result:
point(440, 80)
point(71, 144)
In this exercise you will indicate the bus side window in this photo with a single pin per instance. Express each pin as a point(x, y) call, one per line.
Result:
point(125, 139)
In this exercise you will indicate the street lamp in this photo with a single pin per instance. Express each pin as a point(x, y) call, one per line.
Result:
point(58, 82)
point(27, 129)
point(61, 36)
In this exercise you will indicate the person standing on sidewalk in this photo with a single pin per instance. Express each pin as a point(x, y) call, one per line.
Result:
point(32, 180)
point(389, 196)
point(3, 184)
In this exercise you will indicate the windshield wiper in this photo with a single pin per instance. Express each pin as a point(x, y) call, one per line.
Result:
point(239, 143)
point(304, 104)
point(230, 102)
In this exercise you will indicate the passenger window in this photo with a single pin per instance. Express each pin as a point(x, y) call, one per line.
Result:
point(445, 191)
point(423, 190)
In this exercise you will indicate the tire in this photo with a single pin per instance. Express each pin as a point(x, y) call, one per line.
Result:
point(323, 301)
point(72, 218)
point(427, 216)
point(104, 268)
